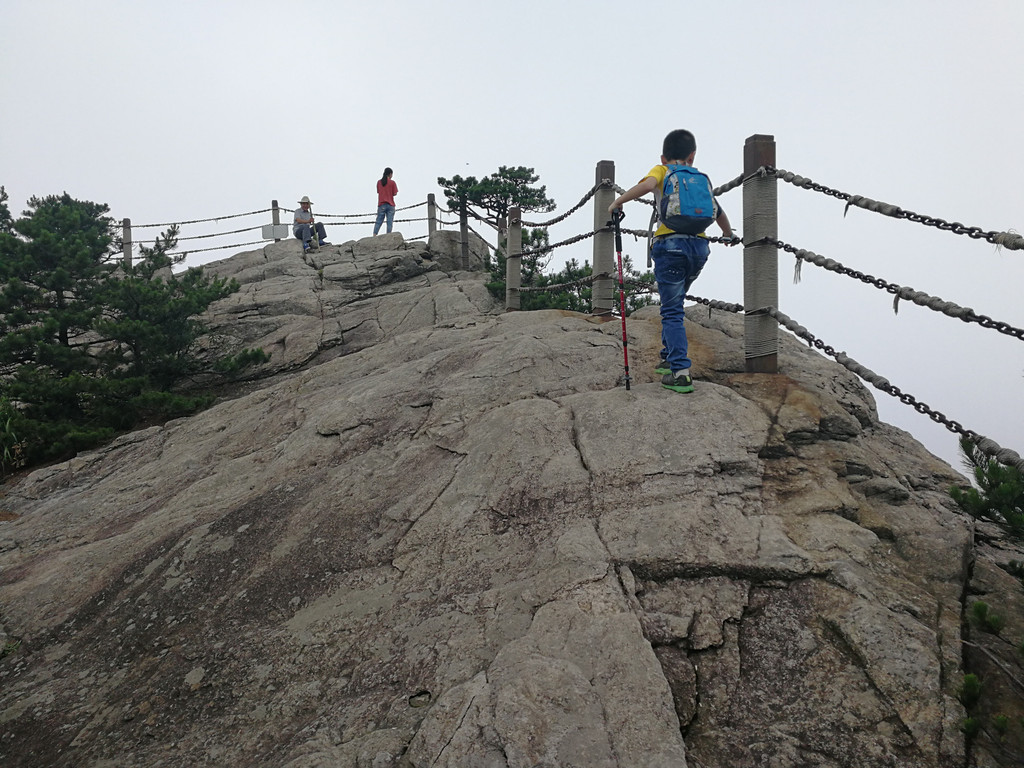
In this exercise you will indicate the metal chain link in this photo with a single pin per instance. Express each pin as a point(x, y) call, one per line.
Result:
point(716, 304)
point(638, 233)
point(635, 232)
point(729, 185)
point(362, 215)
point(644, 200)
point(642, 286)
point(266, 210)
point(986, 445)
point(482, 219)
point(183, 254)
point(710, 303)
point(219, 234)
point(569, 241)
point(493, 248)
point(571, 284)
point(369, 221)
point(1010, 240)
point(568, 213)
point(920, 298)
point(202, 221)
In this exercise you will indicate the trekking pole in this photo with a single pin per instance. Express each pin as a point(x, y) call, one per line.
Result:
point(617, 216)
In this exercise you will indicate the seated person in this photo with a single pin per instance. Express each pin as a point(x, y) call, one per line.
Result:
point(303, 225)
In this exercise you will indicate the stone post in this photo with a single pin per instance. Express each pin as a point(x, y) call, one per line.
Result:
point(513, 259)
point(760, 261)
point(431, 214)
point(276, 218)
point(464, 233)
point(126, 242)
point(602, 296)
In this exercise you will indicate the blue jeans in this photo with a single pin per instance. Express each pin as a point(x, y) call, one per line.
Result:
point(677, 262)
point(303, 232)
point(384, 210)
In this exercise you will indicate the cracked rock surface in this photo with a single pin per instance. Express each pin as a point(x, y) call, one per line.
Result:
point(436, 534)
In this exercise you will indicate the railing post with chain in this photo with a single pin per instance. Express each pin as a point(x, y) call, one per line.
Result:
point(464, 232)
point(275, 217)
point(431, 214)
point(604, 242)
point(126, 241)
point(760, 261)
point(513, 258)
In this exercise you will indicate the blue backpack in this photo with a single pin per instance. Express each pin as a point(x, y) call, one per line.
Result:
point(687, 205)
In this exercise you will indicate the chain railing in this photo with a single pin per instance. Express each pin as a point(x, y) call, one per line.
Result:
point(579, 283)
point(131, 246)
point(989, 447)
point(1010, 240)
point(372, 214)
point(202, 221)
point(571, 211)
point(920, 298)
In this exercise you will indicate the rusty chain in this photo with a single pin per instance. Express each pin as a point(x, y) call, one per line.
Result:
point(219, 234)
point(372, 221)
point(729, 185)
point(484, 241)
point(203, 221)
point(920, 298)
point(552, 246)
point(986, 445)
point(568, 213)
point(183, 254)
point(363, 215)
point(571, 284)
point(1010, 240)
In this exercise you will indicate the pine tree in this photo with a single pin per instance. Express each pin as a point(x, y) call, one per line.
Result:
point(498, 193)
point(5, 213)
point(149, 315)
point(999, 495)
point(52, 262)
point(90, 347)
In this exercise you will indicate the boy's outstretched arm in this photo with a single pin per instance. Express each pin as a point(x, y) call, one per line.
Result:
point(723, 222)
point(637, 190)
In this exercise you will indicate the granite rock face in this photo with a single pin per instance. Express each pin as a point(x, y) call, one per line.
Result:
point(435, 534)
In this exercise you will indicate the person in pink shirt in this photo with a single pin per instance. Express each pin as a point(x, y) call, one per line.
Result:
point(386, 191)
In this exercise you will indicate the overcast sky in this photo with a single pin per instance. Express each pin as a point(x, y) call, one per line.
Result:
point(173, 111)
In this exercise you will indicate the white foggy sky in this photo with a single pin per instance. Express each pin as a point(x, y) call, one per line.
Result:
point(172, 111)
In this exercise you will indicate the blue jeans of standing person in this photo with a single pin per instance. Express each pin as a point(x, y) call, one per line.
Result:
point(384, 210)
point(678, 259)
point(303, 232)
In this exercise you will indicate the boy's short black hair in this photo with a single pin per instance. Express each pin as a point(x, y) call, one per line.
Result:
point(679, 144)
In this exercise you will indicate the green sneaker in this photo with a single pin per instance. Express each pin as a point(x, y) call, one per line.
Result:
point(662, 368)
point(678, 382)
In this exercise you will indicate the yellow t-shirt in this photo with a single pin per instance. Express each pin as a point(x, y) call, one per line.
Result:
point(659, 172)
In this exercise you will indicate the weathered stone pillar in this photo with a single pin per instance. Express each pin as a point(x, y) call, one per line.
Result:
point(126, 241)
point(513, 259)
point(464, 232)
point(760, 261)
point(602, 296)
